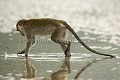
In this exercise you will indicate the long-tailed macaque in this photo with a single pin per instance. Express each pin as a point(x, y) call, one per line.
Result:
point(47, 26)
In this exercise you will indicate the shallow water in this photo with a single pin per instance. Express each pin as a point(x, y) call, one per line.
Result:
point(47, 63)
point(97, 22)
point(36, 68)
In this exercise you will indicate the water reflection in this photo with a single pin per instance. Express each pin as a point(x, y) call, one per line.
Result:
point(88, 65)
point(60, 74)
point(30, 69)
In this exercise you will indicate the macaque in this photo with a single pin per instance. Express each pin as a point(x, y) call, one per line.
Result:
point(47, 26)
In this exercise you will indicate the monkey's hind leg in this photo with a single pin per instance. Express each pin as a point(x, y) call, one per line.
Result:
point(67, 51)
point(58, 36)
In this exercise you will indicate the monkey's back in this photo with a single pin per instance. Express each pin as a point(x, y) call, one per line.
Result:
point(43, 26)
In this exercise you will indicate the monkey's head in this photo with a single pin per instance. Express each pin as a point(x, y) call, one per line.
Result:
point(20, 25)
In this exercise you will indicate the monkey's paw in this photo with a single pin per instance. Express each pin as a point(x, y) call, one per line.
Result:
point(67, 55)
point(22, 52)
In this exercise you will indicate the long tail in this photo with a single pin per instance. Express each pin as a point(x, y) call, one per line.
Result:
point(80, 41)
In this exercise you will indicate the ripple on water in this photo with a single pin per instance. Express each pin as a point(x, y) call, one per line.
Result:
point(113, 69)
point(51, 56)
point(49, 71)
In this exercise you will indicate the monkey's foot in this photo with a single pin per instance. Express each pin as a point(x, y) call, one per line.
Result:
point(67, 54)
point(22, 52)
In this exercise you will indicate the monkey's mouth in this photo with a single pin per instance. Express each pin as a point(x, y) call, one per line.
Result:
point(22, 33)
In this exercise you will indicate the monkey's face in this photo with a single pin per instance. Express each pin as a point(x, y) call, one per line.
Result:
point(19, 27)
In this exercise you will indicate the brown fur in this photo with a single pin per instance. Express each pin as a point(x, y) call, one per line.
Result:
point(47, 26)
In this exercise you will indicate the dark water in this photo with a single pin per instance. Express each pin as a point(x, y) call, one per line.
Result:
point(47, 62)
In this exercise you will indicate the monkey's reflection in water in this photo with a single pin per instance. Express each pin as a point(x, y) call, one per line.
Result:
point(30, 69)
point(62, 73)
point(58, 75)
point(88, 65)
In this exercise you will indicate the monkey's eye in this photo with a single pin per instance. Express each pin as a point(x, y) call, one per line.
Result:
point(19, 25)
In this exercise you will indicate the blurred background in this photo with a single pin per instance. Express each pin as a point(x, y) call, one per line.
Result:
point(97, 22)
point(102, 16)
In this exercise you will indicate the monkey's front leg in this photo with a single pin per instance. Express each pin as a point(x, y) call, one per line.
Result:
point(30, 42)
point(26, 49)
